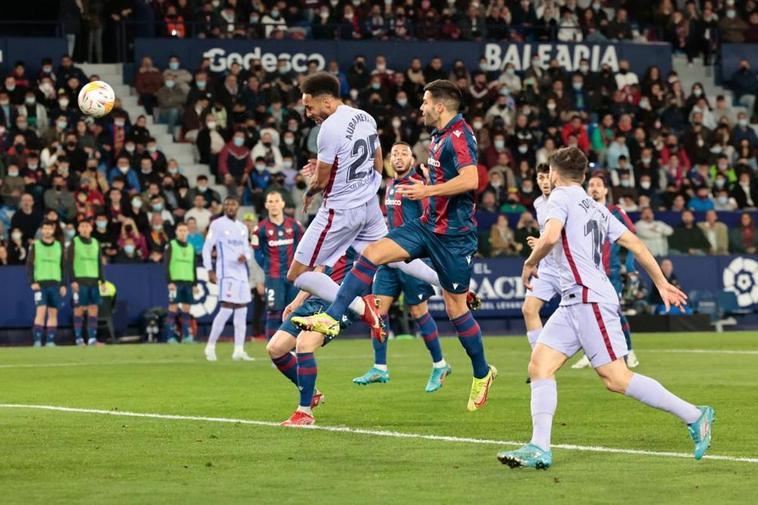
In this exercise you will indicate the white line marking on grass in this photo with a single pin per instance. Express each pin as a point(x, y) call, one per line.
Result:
point(97, 363)
point(705, 351)
point(375, 433)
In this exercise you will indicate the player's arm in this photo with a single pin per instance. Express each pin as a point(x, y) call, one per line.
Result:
point(466, 180)
point(545, 243)
point(320, 177)
point(210, 243)
point(167, 262)
point(30, 267)
point(669, 294)
point(378, 159)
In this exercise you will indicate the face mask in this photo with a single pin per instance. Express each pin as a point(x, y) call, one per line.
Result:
point(722, 200)
point(173, 65)
point(697, 91)
point(510, 71)
point(499, 144)
point(32, 166)
point(101, 225)
point(12, 173)
point(274, 13)
point(30, 100)
point(152, 148)
point(238, 141)
point(69, 234)
point(119, 123)
point(22, 126)
point(742, 122)
point(289, 140)
point(375, 85)
point(157, 207)
point(260, 166)
point(720, 183)
point(129, 249)
point(63, 103)
point(396, 123)
point(286, 164)
point(16, 236)
point(61, 125)
point(170, 84)
point(200, 84)
point(402, 102)
point(137, 203)
point(577, 86)
point(19, 147)
point(523, 149)
point(211, 126)
point(645, 184)
point(477, 125)
point(731, 14)
point(646, 161)
point(4, 103)
point(626, 183)
point(551, 106)
point(723, 166)
point(10, 87)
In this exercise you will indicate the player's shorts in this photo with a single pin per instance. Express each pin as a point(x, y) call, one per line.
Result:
point(183, 294)
point(594, 327)
point(391, 282)
point(312, 306)
point(88, 295)
point(279, 293)
point(451, 255)
point(48, 296)
point(234, 291)
point(332, 231)
point(546, 286)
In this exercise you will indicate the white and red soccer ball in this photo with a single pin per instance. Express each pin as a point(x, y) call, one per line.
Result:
point(96, 98)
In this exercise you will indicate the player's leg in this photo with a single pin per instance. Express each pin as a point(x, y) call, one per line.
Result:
point(185, 323)
point(40, 312)
point(277, 298)
point(531, 311)
point(631, 358)
point(219, 321)
point(322, 286)
point(79, 323)
point(427, 327)
point(92, 313)
point(307, 372)
point(52, 325)
point(279, 349)
point(240, 330)
point(384, 286)
point(170, 328)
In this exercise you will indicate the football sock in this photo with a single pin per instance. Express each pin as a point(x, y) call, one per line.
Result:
point(170, 328)
point(532, 336)
point(380, 350)
point(544, 402)
point(240, 328)
point(273, 322)
point(51, 332)
point(419, 270)
point(287, 364)
point(92, 327)
point(307, 371)
point(184, 322)
point(224, 313)
point(78, 324)
point(627, 332)
point(470, 336)
point(428, 328)
point(38, 332)
point(651, 392)
point(357, 283)
point(322, 286)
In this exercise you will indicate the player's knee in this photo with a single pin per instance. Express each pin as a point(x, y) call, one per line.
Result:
point(274, 347)
point(613, 384)
point(372, 253)
point(527, 309)
point(309, 341)
point(418, 310)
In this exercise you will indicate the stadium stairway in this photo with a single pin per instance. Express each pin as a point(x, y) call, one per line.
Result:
point(184, 153)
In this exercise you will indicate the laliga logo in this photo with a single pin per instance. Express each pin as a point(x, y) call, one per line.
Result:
point(220, 61)
point(741, 277)
point(206, 303)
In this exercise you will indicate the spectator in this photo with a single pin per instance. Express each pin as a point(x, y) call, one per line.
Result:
point(702, 201)
point(266, 149)
point(70, 14)
point(60, 199)
point(688, 238)
point(577, 129)
point(653, 233)
point(667, 267)
point(526, 227)
point(158, 206)
point(234, 162)
point(210, 142)
point(106, 235)
point(12, 186)
point(743, 131)
point(716, 232)
point(743, 239)
point(616, 150)
point(723, 201)
point(744, 84)
point(619, 29)
point(147, 175)
point(128, 252)
point(157, 238)
point(199, 213)
point(18, 247)
point(273, 20)
point(512, 203)
point(131, 233)
point(4, 258)
point(170, 100)
point(212, 197)
point(732, 27)
point(147, 83)
point(182, 76)
point(195, 236)
point(745, 191)
point(502, 239)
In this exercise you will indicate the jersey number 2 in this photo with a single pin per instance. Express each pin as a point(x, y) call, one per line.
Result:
point(367, 149)
point(593, 228)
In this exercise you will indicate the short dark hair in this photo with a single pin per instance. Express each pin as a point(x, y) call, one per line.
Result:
point(48, 222)
point(601, 177)
point(321, 83)
point(181, 223)
point(443, 90)
point(543, 168)
point(402, 143)
point(570, 163)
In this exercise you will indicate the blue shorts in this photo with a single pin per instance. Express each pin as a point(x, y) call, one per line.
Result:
point(451, 255)
point(48, 296)
point(88, 295)
point(391, 282)
point(279, 293)
point(183, 294)
point(312, 306)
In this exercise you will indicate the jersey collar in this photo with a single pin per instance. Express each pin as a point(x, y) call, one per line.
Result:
point(456, 118)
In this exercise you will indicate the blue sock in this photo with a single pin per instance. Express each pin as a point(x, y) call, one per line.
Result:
point(51, 332)
point(273, 322)
point(38, 332)
point(627, 332)
point(356, 283)
point(428, 328)
point(306, 377)
point(92, 327)
point(470, 336)
point(287, 364)
point(170, 325)
point(380, 348)
point(184, 322)
point(78, 323)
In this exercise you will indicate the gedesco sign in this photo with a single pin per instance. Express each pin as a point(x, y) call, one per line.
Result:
point(221, 60)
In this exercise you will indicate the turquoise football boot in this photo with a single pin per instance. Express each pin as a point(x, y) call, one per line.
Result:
point(701, 430)
point(373, 376)
point(529, 456)
point(437, 378)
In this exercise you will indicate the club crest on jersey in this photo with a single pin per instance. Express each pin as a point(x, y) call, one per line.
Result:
point(271, 232)
point(457, 133)
point(288, 230)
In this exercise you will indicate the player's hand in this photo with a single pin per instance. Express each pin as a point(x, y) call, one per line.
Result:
point(532, 241)
point(309, 168)
point(425, 172)
point(171, 286)
point(671, 295)
point(292, 307)
point(527, 273)
point(416, 190)
point(75, 287)
point(62, 291)
point(212, 277)
point(242, 258)
point(35, 286)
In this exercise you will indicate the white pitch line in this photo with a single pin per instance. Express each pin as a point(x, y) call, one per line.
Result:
point(375, 433)
point(704, 351)
point(96, 363)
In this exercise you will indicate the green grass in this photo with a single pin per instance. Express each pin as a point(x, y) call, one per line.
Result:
point(58, 457)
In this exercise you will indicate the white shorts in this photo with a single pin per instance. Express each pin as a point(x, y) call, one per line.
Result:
point(593, 327)
point(333, 231)
point(234, 291)
point(546, 286)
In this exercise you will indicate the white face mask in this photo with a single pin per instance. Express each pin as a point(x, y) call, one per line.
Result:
point(477, 125)
point(211, 126)
point(645, 184)
point(16, 236)
point(137, 203)
point(63, 103)
point(286, 164)
point(123, 170)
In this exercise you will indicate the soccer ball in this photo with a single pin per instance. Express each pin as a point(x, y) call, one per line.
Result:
point(96, 98)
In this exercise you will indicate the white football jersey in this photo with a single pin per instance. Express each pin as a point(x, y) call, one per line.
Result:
point(230, 238)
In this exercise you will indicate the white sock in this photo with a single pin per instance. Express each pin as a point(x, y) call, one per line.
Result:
point(321, 285)
point(440, 364)
point(307, 410)
point(383, 368)
point(240, 329)
point(217, 327)
point(419, 270)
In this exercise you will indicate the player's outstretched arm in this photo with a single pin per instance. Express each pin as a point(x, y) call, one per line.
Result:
point(669, 293)
point(466, 180)
point(540, 249)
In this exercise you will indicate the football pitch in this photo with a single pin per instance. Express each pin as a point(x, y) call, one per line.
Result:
point(159, 424)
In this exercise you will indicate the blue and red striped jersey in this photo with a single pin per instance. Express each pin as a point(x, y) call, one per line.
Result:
point(612, 251)
point(342, 266)
point(452, 148)
point(276, 245)
point(400, 209)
